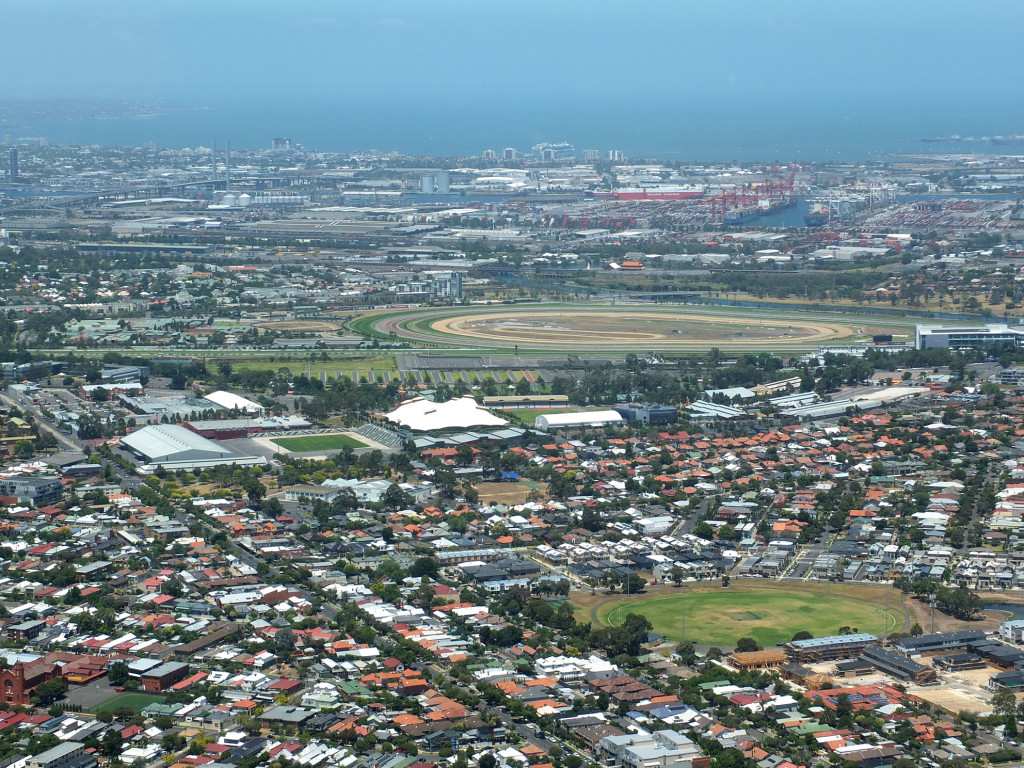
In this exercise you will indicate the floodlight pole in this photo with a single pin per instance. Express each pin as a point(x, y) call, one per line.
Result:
point(931, 598)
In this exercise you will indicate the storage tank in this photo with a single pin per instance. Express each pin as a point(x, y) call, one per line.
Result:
point(229, 200)
point(426, 185)
point(442, 182)
point(245, 199)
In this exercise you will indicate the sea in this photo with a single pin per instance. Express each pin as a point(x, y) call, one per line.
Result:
point(719, 131)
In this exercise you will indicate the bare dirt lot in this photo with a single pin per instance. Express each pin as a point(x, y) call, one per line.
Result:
point(300, 325)
point(506, 493)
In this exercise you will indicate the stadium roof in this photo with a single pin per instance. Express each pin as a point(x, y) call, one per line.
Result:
point(423, 415)
point(231, 401)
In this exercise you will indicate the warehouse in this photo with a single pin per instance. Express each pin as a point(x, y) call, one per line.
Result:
point(556, 421)
point(175, 447)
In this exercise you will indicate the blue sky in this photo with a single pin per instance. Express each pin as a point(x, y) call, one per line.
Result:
point(462, 52)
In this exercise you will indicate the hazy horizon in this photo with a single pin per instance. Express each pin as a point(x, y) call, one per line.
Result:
point(474, 69)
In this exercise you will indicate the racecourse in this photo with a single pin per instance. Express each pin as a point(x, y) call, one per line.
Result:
point(597, 327)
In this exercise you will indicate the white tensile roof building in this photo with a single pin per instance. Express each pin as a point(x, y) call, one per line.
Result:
point(422, 415)
point(232, 401)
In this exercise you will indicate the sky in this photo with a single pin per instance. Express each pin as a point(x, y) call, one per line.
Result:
point(516, 52)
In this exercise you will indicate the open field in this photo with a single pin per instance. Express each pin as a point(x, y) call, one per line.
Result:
point(597, 327)
point(134, 701)
point(317, 443)
point(770, 613)
point(528, 415)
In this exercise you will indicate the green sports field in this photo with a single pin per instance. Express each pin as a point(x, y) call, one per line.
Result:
point(317, 443)
point(134, 701)
point(769, 615)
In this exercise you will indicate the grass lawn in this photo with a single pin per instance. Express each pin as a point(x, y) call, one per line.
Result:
point(529, 415)
point(769, 615)
point(318, 443)
point(299, 365)
point(134, 701)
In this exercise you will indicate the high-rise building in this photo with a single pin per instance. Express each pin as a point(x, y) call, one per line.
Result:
point(510, 153)
point(560, 151)
point(442, 183)
point(426, 184)
point(615, 156)
point(591, 155)
point(14, 163)
point(446, 285)
point(490, 154)
point(282, 143)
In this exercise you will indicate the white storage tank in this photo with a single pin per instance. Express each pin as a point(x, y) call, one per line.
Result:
point(245, 199)
point(229, 200)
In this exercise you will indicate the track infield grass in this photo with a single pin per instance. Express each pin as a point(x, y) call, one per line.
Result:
point(317, 443)
point(771, 616)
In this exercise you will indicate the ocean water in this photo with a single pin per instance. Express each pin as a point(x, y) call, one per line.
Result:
point(718, 131)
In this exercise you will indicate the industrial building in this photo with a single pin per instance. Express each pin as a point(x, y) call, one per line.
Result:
point(175, 447)
point(971, 337)
point(548, 422)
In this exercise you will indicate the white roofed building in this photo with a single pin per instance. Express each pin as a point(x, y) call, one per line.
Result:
point(585, 419)
point(423, 415)
point(175, 447)
point(233, 402)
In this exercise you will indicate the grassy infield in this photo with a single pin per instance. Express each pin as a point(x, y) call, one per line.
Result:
point(769, 615)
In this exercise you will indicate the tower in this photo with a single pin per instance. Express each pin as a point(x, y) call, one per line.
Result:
point(227, 168)
point(14, 163)
point(213, 165)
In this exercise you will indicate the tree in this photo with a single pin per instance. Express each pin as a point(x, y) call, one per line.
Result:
point(118, 673)
point(487, 760)
point(284, 641)
point(704, 530)
point(50, 691)
point(113, 742)
point(424, 566)
point(916, 630)
point(254, 489)
point(747, 644)
point(802, 635)
point(1004, 702)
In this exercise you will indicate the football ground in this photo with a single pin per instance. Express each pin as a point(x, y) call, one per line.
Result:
point(770, 614)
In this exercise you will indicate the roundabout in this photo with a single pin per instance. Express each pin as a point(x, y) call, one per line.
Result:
point(607, 327)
